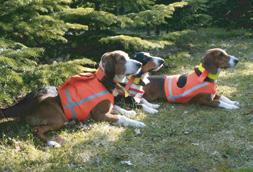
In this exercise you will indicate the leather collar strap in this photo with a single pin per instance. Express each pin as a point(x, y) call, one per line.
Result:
point(130, 82)
point(100, 74)
point(132, 79)
point(205, 73)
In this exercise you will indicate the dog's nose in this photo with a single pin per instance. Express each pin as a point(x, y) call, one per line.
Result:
point(161, 62)
point(236, 60)
point(165, 65)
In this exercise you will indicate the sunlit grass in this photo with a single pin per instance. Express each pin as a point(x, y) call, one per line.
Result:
point(179, 138)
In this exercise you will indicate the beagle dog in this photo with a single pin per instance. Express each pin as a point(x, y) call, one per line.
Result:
point(80, 97)
point(198, 86)
point(134, 86)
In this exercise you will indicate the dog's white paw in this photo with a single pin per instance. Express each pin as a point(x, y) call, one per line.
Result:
point(148, 104)
point(149, 109)
point(139, 124)
point(228, 101)
point(130, 113)
point(54, 144)
point(236, 103)
point(124, 121)
point(234, 107)
point(155, 106)
point(228, 106)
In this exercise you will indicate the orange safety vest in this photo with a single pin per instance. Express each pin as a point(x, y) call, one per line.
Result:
point(195, 84)
point(81, 93)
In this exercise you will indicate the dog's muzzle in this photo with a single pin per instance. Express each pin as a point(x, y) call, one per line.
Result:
point(233, 61)
point(159, 63)
point(132, 67)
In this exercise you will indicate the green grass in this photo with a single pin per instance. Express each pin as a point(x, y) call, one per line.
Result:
point(186, 138)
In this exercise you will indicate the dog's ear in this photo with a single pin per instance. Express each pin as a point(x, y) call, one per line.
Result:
point(209, 63)
point(108, 63)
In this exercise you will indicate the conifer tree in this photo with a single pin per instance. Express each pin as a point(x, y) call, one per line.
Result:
point(35, 23)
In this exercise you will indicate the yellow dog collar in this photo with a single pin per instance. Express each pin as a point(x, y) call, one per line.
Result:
point(135, 80)
point(210, 75)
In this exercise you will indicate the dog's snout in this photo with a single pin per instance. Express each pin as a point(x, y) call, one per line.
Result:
point(133, 66)
point(233, 61)
point(161, 62)
point(236, 60)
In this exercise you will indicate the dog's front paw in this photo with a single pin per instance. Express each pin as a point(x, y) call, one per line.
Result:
point(155, 106)
point(236, 103)
point(130, 113)
point(53, 144)
point(124, 121)
point(228, 105)
point(235, 107)
point(232, 107)
point(139, 124)
point(149, 109)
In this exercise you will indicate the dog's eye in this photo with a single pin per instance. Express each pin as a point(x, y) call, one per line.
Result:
point(146, 60)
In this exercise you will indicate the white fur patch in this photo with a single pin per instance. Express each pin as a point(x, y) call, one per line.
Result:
point(124, 121)
point(54, 144)
point(232, 61)
point(227, 100)
point(52, 91)
point(127, 113)
point(149, 109)
point(157, 60)
point(155, 106)
point(227, 106)
point(122, 53)
point(120, 78)
point(144, 78)
point(157, 69)
point(131, 67)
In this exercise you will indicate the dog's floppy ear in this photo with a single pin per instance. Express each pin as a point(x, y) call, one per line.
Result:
point(209, 63)
point(108, 63)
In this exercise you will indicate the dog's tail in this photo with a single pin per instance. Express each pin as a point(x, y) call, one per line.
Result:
point(21, 108)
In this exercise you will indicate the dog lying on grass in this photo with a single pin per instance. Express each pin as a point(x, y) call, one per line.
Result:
point(80, 97)
point(198, 86)
point(134, 86)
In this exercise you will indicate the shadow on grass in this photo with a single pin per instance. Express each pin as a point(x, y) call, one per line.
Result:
point(180, 138)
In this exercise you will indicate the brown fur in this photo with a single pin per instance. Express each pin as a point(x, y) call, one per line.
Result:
point(148, 67)
point(212, 60)
point(44, 112)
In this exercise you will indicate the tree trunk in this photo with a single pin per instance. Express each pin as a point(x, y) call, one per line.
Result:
point(148, 30)
point(157, 30)
point(97, 6)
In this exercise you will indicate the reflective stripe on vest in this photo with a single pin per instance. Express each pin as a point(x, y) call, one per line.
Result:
point(71, 104)
point(174, 98)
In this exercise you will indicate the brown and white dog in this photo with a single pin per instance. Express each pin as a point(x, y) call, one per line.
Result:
point(198, 86)
point(45, 111)
point(134, 86)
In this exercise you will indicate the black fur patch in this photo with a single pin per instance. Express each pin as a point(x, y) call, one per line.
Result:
point(129, 102)
point(182, 81)
point(142, 57)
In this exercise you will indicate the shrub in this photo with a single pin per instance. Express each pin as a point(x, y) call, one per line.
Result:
point(131, 44)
